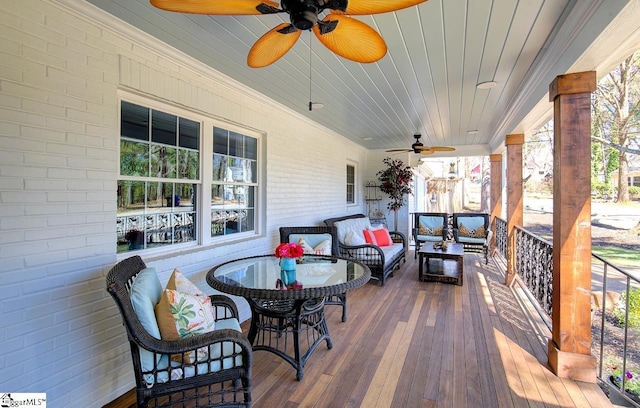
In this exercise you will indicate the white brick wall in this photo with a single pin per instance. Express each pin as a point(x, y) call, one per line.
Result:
point(60, 72)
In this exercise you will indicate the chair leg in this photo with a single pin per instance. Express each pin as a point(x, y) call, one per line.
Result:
point(344, 306)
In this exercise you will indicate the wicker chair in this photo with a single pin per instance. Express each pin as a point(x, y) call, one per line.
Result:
point(429, 221)
point(221, 376)
point(472, 221)
point(286, 233)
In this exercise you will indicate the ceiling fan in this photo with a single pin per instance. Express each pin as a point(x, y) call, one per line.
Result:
point(418, 147)
point(345, 36)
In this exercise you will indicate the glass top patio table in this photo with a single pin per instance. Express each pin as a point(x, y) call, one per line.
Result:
point(286, 321)
point(320, 276)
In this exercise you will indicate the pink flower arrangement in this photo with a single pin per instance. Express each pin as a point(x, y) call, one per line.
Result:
point(290, 250)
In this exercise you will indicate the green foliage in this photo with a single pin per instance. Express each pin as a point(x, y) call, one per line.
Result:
point(634, 308)
point(602, 189)
point(634, 191)
point(395, 181)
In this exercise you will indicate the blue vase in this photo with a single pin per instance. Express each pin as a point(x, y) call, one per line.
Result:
point(288, 271)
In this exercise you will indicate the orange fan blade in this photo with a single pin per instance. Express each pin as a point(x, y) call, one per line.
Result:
point(442, 148)
point(428, 151)
point(359, 7)
point(398, 150)
point(219, 7)
point(350, 38)
point(273, 45)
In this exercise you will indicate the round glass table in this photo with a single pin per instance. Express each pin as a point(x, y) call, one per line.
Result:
point(288, 320)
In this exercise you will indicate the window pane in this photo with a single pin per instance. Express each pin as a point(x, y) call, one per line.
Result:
point(220, 141)
point(219, 167)
point(130, 215)
point(250, 148)
point(163, 161)
point(157, 213)
point(237, 169)
point(232, 209)
point(235, 144)
point(189, 134)
point(134, 158)
point(188, 164)
point(164, 127)
point(134, 121)
point(350, 174)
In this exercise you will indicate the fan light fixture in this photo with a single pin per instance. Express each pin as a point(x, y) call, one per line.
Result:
point(419, 148)
point(486, 85)
point(348, 37)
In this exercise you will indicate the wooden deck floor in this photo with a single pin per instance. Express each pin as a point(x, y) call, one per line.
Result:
point(423, 344)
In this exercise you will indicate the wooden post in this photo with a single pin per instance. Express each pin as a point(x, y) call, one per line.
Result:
point(570, 345)
point(514, 199)
point(496, 195)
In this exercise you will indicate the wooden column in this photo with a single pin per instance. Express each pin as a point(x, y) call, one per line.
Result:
point(514, 199)
point(570, 345)
point(496, 194)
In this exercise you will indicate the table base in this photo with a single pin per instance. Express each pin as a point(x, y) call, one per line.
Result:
point(276, 325)
point(426, 272)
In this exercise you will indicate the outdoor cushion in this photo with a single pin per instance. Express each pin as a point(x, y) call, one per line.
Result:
point(471, 222)
point(321, 248)
point(430, 238)
point(469, 240)
point(145, 294)
point(431, 223)
point(357, 225)
point(354, 239)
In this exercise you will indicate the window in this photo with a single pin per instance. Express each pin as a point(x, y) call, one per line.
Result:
point(159, 176)
point(234, 182)
point(169, 192)
point(351, 184)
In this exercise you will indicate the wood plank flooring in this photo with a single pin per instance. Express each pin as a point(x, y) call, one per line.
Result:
point(423, 344)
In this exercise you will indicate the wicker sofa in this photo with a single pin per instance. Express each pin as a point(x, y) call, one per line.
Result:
point(381, 260)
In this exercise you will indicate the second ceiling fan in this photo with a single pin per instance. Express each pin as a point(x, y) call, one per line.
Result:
point(345, 36)
point(418, 147)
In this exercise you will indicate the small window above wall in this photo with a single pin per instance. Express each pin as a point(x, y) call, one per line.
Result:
point(351, 184)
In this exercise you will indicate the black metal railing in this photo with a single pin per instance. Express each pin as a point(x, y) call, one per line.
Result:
point(616, 329)
point(501, 236)
point(534, 265)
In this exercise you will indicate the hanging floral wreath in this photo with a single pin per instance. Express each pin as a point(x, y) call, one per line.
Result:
point(395, 181)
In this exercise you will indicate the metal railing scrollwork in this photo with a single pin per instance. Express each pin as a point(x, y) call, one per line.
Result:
point(534, 264)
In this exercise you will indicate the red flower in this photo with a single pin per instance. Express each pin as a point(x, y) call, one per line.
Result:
point(290, 250)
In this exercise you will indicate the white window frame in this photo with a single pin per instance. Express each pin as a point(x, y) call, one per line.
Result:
point(204, 183)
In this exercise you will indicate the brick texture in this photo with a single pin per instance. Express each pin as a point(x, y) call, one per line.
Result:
point(60, 74)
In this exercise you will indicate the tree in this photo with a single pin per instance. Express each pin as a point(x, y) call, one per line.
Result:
point(395, 181)
point(616, 120)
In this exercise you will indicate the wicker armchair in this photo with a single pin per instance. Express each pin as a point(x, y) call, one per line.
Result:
point(471, 222)
point(164, 375)
point(425, 226)
point(290, 234)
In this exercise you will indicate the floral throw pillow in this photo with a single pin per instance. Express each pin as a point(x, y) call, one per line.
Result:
point(464, 231)
point(184, 311)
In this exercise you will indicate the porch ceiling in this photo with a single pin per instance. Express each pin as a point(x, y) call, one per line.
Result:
point(438, 52)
